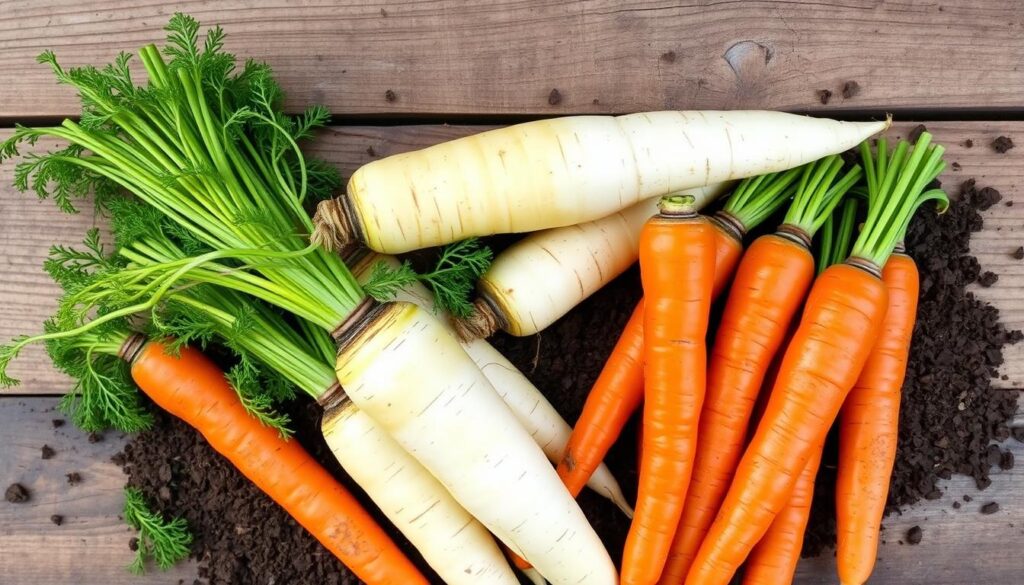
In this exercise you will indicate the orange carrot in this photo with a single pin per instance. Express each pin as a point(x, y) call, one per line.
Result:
point(769, 287)
point(843, 314)
point(868, 429)
point(774, 559)
point(677, 269)
point(841, 320)
point(195, 390)
point(619, 388)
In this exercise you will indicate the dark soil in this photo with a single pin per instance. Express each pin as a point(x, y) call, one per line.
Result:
point(74, 478)
point(57, 423)
point(990, 508)
point(554, 98)
point(914, 535)
point(824, 95)
point(57, 519)
point(951, 415)
point(1002, 144)
point(244, 539)
point(17, 494)
point(850, 89)
point(47, 452)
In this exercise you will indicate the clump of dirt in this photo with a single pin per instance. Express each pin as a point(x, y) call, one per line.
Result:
point(824, 96)
point(951, 414)
point(17, 494)
point(850, 89)
point(555, 97)
point(1002, 144)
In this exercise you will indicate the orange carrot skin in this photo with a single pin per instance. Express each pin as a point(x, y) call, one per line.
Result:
point(773, 561)
point(841, 319)
point(677, 268)
point(868, 429)
point(195, 390)
point(619, 388)
point(767, 291)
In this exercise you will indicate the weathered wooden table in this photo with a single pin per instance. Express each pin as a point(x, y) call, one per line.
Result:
point(955, 68)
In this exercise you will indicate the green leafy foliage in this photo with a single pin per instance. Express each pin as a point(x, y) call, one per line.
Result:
point(451, 280)
point(165, 542)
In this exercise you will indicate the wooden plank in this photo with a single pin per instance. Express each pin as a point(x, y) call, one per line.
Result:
point(91, 546)
point(28, 227)
point(441, 57)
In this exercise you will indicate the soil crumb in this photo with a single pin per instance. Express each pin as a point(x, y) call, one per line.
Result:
point(824, 95)
point(554, 98)
point(914, 535)
point(57, 423)
point(669, 57)
point(17, 494)
point(57, 519)
point(74, 478)
point(916, 133)
point(850, 89)
point(390, 95)
point(990, 508)
point(1002, 144)
point(47, 452)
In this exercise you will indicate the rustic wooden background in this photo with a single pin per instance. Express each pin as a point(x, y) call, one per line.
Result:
point(956, 68)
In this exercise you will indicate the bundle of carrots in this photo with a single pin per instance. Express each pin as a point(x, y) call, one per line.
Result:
point(203, 177)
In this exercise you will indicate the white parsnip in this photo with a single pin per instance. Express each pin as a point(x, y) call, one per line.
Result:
point(533, 410)
point(565, 171)
point(456, 546)
point(540, 278)
point(406, 370)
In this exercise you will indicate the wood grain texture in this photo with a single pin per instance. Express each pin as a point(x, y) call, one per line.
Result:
point(442, 57)
point(28, 227)
point(91, 546)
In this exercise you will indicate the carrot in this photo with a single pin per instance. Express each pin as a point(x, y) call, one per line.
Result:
point(842, 317)
point(868, 428)
point(565, 171)
point(774, 559)
point(195, 390)
point(618, 391)
point(677, 267)
point(769, 287)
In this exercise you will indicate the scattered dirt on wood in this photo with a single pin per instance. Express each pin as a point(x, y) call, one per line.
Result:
point(669, 57)
point(554, 98)
point(1002, 144)
point(968, 143)
point(914, 535)
point(390, 95)
point(951, 416)
point(850, 89)
point(916, 133)
point(57, 423)
point(17, 494)
point(824, 95)
point(47, 452)
point(990, 508)
point(57, 519)
point(95, 437)
point(74, 478)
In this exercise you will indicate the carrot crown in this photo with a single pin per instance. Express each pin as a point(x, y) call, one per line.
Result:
point(818, 193)
point(897, 185)
point(757, 198)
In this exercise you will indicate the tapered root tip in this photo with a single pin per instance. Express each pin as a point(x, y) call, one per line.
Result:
point(481, 324)
point(332, 229)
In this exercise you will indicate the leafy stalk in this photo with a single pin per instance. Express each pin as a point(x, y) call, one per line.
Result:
point(166, 542)
point(451, 280)
point(837, 234)
point(819, 192)
point(897, 187)
point(757, 198)
point(206, 144)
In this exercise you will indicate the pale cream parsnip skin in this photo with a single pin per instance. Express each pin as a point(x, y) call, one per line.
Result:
point(455, 545)
point(406, 370)
point(564, 171)
point(538, 416)
point(540, 278)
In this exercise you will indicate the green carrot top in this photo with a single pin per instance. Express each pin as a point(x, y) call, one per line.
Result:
point(897, 185)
